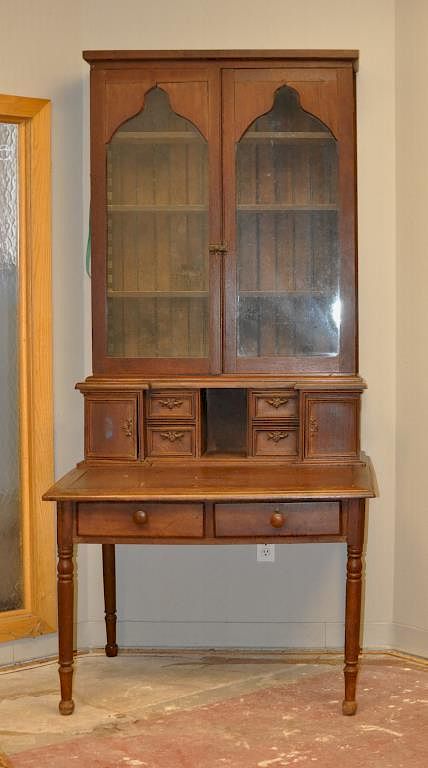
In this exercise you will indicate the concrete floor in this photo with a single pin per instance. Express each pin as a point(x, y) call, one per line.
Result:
point(111, 693)
point(115, 696)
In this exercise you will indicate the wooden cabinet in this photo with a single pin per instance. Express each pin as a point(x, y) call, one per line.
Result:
point(223, 256)
point(223, 211)
point(225, 396)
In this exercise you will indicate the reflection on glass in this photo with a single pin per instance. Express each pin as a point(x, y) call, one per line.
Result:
point(11, 584)
point(287, 234)
point(157, 270)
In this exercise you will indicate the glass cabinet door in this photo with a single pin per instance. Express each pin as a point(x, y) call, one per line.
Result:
point(160, 285)
point(284, 234)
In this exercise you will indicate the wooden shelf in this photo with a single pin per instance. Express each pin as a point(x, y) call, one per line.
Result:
point(307, 207)
point(132, 208)
point(242, 207)
point(291, 292)
point(288, 136)
point(162, 137)
point(157, 294)
point(155, 137)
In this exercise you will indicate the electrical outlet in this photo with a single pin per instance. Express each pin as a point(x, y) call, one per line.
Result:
point(265, 553)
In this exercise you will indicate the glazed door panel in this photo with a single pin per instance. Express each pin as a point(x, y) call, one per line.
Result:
point(289, 220)
point(156, 299)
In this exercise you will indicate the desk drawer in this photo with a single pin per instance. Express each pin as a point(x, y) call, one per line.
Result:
point(171, 405)
point(171, 440)
point(278, 404)
point(275, 440)
point(292, 518)
point(140, 519)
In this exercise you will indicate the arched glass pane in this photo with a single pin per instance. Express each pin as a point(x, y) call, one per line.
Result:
point(287, 224)
point(157, 266)
point(11, 581)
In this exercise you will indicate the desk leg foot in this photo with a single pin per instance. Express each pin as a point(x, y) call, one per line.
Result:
point(349, 707)
point(109, 577)
point(66, 707)
point(356, 518)
point(65, 605)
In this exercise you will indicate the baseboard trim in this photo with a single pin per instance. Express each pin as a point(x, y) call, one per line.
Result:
point(294, 656)
point(410, 639)
point(304, 633)
point(299, 637)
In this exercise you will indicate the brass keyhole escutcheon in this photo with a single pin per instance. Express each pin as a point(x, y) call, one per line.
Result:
point(277, 519)
point(217, 248)
point(140, 517)
point(313, 426)
point(128, 427)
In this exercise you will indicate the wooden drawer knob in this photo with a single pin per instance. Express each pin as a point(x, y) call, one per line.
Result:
point(277, 519)
point(140, 517)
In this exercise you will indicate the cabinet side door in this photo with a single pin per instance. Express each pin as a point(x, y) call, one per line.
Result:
point(331, 427)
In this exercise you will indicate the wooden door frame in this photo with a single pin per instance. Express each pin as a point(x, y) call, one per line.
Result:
point(38, 614)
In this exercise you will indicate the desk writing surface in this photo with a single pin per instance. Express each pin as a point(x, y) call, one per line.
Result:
point(168, 482)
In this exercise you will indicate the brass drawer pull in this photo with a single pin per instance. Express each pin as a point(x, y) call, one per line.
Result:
point(140, 517)
point(170, 403)
point(277, 402)
point(127, 426)
point(277, 435)
point(172, 436)
point(277, 519)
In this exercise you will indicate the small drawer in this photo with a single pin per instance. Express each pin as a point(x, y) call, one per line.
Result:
point(307, 518)
point(171, 440)
point(281, 404)
point(172, 405)
point(140, 519)
point(274, 440)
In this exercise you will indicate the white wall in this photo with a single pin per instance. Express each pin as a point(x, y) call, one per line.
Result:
point(411, 554)
point(219, 595)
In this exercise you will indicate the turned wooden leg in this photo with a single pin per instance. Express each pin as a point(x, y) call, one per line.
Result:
point(356, 518)
point(65, 605)
point(109, 577)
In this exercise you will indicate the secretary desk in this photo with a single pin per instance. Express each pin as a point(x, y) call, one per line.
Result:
point(224, 405)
